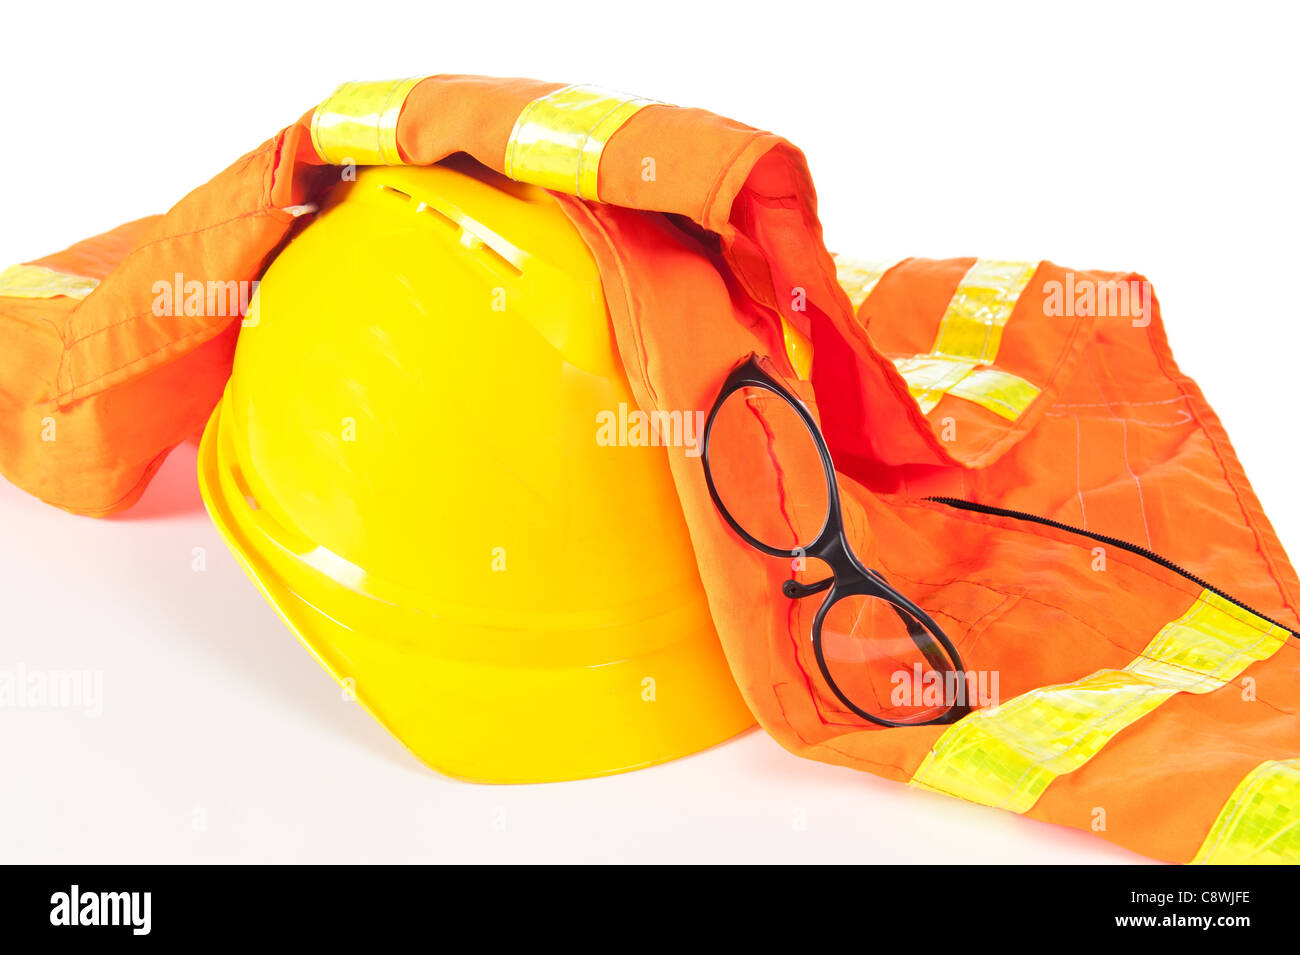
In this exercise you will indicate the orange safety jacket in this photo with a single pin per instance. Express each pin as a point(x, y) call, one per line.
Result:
point(1152, 704)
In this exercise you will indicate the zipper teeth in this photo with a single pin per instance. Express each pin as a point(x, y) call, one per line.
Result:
point(965, 505)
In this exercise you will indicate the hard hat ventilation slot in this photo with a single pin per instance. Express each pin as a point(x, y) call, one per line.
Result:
point(501, 260)
point(471, 239)
point(438, 216)
point(473, 236)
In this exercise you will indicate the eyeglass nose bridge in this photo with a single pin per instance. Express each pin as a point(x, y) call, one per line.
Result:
point(847, 572)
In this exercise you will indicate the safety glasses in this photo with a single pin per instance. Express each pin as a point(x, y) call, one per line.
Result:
point(770, 475)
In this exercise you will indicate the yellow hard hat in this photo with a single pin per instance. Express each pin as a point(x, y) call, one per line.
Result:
point(406, 461)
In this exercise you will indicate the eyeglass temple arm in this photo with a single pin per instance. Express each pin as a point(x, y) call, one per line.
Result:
point(797, 591)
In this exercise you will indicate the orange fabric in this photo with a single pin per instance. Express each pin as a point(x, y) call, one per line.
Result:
point(1017, 598)
point(700, 264)
point(901, 317)
point(228, 228)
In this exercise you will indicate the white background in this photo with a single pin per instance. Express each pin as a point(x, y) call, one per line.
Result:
point(1160, 138)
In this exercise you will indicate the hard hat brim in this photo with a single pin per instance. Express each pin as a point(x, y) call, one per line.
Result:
point(495, 722)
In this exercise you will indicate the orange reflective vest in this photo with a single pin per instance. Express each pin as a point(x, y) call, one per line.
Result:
point(1115, 572)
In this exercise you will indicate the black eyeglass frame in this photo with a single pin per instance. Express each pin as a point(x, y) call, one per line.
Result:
point(849, 577)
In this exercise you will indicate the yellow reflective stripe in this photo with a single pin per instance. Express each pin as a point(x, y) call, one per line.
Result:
point(929, 378)
point(1008, 755)
point(858, 277)
point(358, 123)
point(36, 281)
point(971, 328)
point(969, 336)
point(999, 391)
point(1260, 822)
point(558, 138)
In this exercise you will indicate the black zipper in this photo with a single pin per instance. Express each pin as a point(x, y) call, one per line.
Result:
point(965, 505)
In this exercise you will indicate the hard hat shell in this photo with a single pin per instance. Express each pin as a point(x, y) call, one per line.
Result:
point(405, 460)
